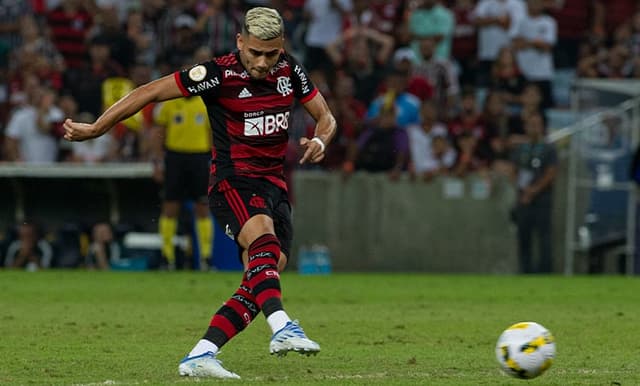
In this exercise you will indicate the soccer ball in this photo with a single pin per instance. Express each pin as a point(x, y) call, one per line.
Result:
point(525, 350)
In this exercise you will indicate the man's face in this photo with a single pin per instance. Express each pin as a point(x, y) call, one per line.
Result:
point(534, 126)
point(258, 56)
point(427, 47)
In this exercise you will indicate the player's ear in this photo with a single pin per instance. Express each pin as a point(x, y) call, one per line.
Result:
point(239, 41)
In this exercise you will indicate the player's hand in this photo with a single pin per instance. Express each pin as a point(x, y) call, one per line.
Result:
point(76, 131)
point(314, 151)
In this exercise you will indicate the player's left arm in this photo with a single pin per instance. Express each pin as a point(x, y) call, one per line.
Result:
point(324, 132)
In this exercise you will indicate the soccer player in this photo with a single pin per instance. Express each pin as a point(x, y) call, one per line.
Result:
point(249, 95)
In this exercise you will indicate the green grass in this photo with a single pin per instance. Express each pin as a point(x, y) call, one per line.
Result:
point(62, 327)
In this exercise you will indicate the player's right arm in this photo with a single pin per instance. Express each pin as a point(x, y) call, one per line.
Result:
point(159, 90)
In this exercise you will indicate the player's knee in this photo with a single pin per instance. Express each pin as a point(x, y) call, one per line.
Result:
point(255, 228)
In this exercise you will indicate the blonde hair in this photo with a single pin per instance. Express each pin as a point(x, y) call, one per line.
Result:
point(263, 23)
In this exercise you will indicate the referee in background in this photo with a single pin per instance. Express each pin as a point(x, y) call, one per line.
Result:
point(185, 147)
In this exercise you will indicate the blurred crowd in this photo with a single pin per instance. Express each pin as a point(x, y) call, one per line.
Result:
point(423, 86)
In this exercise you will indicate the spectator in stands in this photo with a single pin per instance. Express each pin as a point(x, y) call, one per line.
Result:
point(465, 42)
point(35, 44)
point(472, 156)
point(417, 85)
point(469, 137)
point(634, 41)
point(30, 251)
point(534, 39)
point(575, 24)
point(163, 15)
point(424, 163)
point(10, 22)
point(501, 132)
point(324, 26)
point(363, 53)
point(608, 15)
point(402, 36)
point(406, 105)
point(121, 47)
point(184, 43)
point(69, 25)
point(85, 82)
point(29, 133)
point(621, 59)
point(506, 77)
point(530, 103)
point(104, 248)
point(143, 36)
point(430, 19)
point(590, 55)
point(444, 154)
point(219, 24)
point(535, 171)
point(496, 20)
point(349, 113)
point(381, 15)
point(381, 147)
point(439, 73)
point(468, 118)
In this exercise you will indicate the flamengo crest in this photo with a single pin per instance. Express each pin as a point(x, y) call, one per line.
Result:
point(284, 86)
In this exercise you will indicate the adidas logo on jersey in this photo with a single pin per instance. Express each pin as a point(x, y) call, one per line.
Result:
point(245, 93)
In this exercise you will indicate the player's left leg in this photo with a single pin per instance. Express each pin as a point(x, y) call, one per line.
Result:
point(233, 317)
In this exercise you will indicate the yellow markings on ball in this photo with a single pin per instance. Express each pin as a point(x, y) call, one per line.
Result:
point(533, 345)
point(548, 338)
point(519, 326)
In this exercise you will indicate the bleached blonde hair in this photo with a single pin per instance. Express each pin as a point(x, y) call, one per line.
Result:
point(263, 23)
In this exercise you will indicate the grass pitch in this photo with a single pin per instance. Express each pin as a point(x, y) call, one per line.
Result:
point(76, 327)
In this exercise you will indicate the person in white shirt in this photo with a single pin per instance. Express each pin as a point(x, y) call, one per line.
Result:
point(534, 38)
point(323, 28)
point(425, 164)
point(28, 136)
point(496, 21)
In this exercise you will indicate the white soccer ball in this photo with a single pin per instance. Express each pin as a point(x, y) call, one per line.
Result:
point(525, 350)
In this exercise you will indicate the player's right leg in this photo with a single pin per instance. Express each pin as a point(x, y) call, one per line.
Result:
point(264, 252)
point(205, 365)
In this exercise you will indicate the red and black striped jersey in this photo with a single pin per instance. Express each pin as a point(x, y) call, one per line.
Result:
point(249, 117)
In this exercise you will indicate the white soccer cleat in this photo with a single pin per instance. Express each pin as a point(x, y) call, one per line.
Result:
point(291, 337)
point(205, 365)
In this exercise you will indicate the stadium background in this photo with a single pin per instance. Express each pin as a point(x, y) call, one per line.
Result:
point(369, 220)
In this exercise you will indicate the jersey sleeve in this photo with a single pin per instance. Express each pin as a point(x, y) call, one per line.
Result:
point(303, 87)
point(201, 79)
